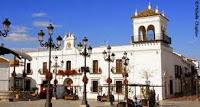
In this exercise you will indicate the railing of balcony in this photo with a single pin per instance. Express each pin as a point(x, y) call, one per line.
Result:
point(163, 37)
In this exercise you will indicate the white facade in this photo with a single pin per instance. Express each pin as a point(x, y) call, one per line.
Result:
point(4, 73)
point(151, 60)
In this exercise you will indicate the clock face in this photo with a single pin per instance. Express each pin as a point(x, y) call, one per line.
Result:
point(68, 45)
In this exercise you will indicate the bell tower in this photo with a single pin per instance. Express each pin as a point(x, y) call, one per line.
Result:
point(69, 41)
point(150, 25)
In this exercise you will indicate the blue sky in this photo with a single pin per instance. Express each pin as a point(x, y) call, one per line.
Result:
point(100, 20)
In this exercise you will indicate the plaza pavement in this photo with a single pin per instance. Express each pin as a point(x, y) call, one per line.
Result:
point(93, 103)
point(56, 103)
point(166, 103)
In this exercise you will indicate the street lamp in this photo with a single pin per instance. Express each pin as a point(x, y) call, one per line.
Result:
point(85, 51)
point(109, 57)
point(50, 45)
point(6, 25)
point(55, 72)
point(125, 61)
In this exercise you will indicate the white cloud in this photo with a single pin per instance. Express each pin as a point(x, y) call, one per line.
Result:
point(20, 29)
point(193, 41)
point(19, 37)
point(40, 14)
point(45, 24)
point(19, 34)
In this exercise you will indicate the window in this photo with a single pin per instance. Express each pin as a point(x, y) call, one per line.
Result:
point(28, 85)
point(118, 86)
point(95, 66)
point(44, 68)
point(178, 71)
point(171, 86)
point(95, 86)
point(118, 66)
point(28, 68)
point(68, 65)
point(18, 84)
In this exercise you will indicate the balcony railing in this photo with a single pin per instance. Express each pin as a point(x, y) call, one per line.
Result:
point(29, 72)
point(115, 71)
point(98, 71)
point(188, 74)
point(163, 37)
point(166, 39)
point(69, 72)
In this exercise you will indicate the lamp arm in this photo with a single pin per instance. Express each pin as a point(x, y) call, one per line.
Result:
point(3, 34)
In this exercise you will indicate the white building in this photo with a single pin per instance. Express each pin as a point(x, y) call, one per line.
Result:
point(4, 72)
point(151, 59)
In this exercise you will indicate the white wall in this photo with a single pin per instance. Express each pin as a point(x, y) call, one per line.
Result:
point(4, 76)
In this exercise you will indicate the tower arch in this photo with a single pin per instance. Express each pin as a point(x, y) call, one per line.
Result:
point(150, 32)
point(141, 33)
point(147, 26)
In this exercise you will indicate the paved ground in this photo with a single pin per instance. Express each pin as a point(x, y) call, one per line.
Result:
point(93, 103)
point(180, 104)
point(56, 103)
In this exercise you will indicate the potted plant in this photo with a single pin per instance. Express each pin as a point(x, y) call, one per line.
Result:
point(34, 91)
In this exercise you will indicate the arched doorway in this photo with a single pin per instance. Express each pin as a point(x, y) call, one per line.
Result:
point(68, 84)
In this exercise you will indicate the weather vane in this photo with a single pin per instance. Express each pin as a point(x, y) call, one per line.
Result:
point(196, 18)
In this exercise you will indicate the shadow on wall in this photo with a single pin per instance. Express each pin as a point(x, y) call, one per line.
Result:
point(20, 84)
point(33, 83)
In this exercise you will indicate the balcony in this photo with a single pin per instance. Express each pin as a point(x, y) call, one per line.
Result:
point(166, 39)
point(69, 72)
point(96, 71)
point(29, 71)
point(162, 37)
point(187, 74)
point(115, 70)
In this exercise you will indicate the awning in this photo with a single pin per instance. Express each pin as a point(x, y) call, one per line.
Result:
point(4, 50)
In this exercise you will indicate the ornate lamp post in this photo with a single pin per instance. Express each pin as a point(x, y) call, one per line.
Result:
point(85, 51)
point(55, 72)
point(49, 44)
point(125, 61)
point(109, 57)
point(6, 25)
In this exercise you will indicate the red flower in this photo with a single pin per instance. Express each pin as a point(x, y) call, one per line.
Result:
point(125, 81)
point(48, 75)
point(85, 79)
point(109, 80)
point(100, 71)
point(13, 74)
point(61, 72)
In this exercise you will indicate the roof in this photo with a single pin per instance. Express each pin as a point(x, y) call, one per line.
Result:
point(148, 12)
point(2, 59)
point(4, 50)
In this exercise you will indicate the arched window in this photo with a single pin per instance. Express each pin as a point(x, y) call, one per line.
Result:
point(150, 32)
point(141, 33)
